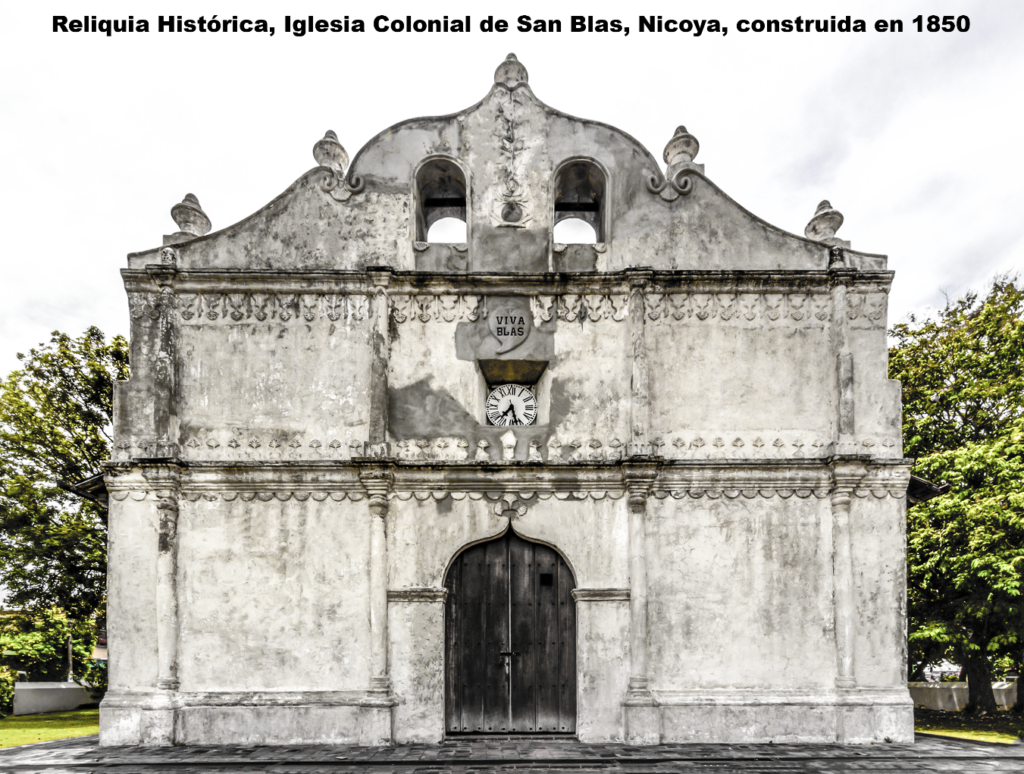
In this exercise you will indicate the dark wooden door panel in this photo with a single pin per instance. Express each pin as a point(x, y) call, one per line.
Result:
point(566, 650)
point(510, 640)
point(496, 620)
point(454, 671)
point(524, 664)
point(546, 636)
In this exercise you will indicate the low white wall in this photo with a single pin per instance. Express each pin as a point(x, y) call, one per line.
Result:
point(952, 697)
point(32, 698)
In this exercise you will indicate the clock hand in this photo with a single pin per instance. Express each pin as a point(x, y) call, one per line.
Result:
point(511, 408)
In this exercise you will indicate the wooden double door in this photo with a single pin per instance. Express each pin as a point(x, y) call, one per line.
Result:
point(510, 640)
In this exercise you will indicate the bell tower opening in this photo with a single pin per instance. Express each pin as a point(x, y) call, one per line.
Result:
point(579, 203)
point(441, 202)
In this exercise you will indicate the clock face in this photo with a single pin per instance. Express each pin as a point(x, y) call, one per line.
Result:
point(511, 404)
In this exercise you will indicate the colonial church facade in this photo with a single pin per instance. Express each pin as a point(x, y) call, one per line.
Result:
point(371, 487)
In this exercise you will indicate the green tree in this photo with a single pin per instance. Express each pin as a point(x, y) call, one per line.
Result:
point(55, 424)
point(37, 645)
point(963, 419)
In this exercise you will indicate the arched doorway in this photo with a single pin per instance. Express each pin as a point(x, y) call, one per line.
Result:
point(510, 640)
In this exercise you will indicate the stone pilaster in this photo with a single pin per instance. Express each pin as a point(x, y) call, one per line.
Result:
point(845, 426)
point(640, 393)
point(161, 721)
point(846, 475)
point(378, 479)
point(643, 718)
point(154, 355)
point(380, 356)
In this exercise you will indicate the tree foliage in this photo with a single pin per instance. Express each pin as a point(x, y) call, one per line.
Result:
point(55, 420)
point(36, 644)
point(961, 371)
point(963, 403)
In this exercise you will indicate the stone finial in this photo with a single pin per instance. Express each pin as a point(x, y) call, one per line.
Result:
point(329, 153)
point(824, 225)
point(682, 148)
point(508, 446)
point(511, 72)
point(192, 221)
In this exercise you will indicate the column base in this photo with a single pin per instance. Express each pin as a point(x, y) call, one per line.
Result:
point(643, 723)
point(641, 713)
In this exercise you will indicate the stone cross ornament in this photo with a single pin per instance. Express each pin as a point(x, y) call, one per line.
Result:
point(510, 326)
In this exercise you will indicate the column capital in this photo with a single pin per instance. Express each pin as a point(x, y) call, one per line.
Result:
point(377, 476)
point(640, 277)
point(380, 276)
point(847, 473)
point(640, 472)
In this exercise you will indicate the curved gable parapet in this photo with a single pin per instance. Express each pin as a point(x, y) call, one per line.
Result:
point(510, 167)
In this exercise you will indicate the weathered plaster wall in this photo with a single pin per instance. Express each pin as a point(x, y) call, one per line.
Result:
point(740, 593)
point(282, 587)
point(417, 667)
point(305, 230)
point(738, 387)
point(879, 420)
point(705, 230)
point(602, 632)
point(269, 390)
point(437, 389)
point(880, 562)
point(131, 592)
point(425, 535)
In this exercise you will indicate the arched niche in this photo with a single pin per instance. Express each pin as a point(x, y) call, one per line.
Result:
point(580, 193)
point(441, 194)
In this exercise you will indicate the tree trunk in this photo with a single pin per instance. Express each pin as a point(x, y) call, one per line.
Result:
point(981, 699)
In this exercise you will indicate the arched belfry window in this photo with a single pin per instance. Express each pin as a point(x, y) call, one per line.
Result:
point(441, 202)
point(580, 203)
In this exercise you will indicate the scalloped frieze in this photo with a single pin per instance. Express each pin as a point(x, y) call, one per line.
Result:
point(516, 501)
point(507, 500)
point(443, 307)
point(280, 307)
point(279, 495)
point(783, 308)
point(556, 451)
point(579, 307)
point(229, 445)
point(750, 493)
point(724, 445)
point(866, 310)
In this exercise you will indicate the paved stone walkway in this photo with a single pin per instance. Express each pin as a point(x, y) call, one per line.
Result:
point(82, 755)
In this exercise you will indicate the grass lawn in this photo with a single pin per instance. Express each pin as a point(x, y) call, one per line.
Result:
point(1003, 727)
point(47, 726)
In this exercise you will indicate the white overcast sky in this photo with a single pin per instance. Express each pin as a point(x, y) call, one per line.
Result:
point(915, 137)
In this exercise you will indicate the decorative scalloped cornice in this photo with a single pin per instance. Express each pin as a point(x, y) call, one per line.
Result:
point(436, 495)
point(218, 281)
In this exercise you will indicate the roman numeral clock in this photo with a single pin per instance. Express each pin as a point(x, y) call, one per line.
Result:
point(511, 404)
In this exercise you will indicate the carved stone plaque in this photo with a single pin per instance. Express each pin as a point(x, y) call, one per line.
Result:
point(510, 326)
